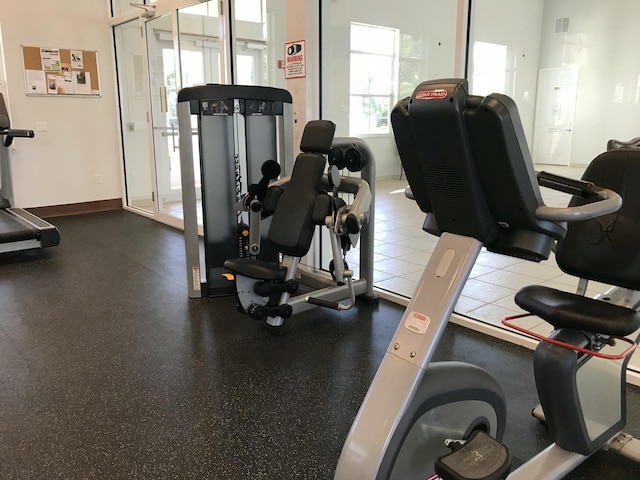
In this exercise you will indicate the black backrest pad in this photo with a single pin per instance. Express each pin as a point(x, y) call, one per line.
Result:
point(317, 136)
point(607, 249)
point(448, 171)
point(292, 225)
point(408, 151)
point(507, 177)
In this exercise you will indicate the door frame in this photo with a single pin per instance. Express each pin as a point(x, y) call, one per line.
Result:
point(156, 10)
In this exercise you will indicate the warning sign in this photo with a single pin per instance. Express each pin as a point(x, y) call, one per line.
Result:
point(295, 60)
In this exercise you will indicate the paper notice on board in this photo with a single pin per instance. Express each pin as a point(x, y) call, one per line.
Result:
point(77, 62)
point(50, 58)
point(36, 82)
point(67, 80)
point(52, 83)
point(81, 83)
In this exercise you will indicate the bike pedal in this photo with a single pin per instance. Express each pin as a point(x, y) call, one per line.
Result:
point(480, 458)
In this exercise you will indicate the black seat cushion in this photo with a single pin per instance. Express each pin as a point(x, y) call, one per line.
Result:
point(257, 269)
point(569, 310)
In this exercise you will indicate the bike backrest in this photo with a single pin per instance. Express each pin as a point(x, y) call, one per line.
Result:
point(633, 143)
point(409, 155)
point(437, 160)
point(507, 177)
point(605, 249)
point(469, 155)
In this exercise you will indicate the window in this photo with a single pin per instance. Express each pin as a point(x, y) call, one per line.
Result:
point(410, 60)
point(372, 80)
point(489, 68)
point(249, 10)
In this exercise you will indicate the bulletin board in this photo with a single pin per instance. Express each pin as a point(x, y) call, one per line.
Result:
point(61, 71)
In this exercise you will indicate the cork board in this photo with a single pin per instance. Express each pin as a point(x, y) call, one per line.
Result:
point(61, 71)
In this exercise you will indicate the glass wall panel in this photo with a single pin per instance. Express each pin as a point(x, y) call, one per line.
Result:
point(163, 87)
point(572, 68)
point(561, 60)
point(259, 37)
point(198, 36)
point(372, 55)
point(198, 33)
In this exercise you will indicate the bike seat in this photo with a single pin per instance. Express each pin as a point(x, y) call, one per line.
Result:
point(570, 310)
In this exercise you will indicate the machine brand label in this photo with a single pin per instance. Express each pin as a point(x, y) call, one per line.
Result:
point(417, 322)
point(438, 94)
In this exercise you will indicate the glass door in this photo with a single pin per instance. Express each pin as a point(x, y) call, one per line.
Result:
point(199, 54)
point(179, 44)
point(163, 88)
point(134, 108)
point(259, 34)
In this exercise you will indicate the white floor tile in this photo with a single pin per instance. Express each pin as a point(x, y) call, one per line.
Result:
point(544, 271)
point(492, 314)
point(393, 250)
point(467, 304)
point(497, 261)
point(398, 285)
point(478, 270)
point(397, 267)
point(486, 292)
point(507, 279)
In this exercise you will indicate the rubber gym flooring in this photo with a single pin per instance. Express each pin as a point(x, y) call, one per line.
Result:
point(109, 371)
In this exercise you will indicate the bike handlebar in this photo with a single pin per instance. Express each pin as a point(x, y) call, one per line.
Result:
point(602, 200)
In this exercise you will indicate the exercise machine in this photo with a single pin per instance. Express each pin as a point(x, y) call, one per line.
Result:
point(297, 205)
point(237, 128)
point(469, 170)
point(19, 229)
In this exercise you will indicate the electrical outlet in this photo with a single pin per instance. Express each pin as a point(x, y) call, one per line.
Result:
point(98, 178)
point(41, 126)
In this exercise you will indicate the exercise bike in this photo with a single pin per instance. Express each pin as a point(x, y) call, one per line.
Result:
point(469, 170)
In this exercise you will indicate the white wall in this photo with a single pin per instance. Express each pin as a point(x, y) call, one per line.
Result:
point(602, 41)
point(59, 166)
point(516, 24)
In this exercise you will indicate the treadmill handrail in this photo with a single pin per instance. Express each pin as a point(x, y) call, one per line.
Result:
point(10, 133)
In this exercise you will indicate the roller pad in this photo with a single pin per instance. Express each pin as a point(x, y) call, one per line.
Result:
point(317, 136)
point(480, 458)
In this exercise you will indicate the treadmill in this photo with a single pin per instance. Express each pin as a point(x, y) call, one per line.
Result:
point(19, 229)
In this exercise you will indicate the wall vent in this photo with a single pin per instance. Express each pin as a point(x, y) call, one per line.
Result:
point(562, 25)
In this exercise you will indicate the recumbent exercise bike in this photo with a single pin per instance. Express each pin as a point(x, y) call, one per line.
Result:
point(470, 171)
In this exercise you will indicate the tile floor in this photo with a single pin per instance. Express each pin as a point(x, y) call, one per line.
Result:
point(402, 250)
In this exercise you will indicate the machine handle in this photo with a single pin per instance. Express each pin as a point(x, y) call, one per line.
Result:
point(566, 185)
point(9, 134)
point(322, 303)
point(164, 104)
point(604, 201)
